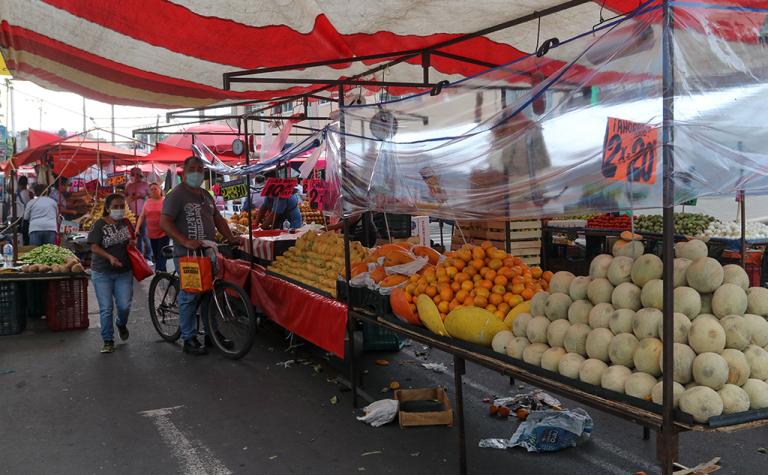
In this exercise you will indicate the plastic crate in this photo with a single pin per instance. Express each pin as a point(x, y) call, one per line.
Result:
point(67, 304)
point(399, 225)
point(376, 338)
point(12, 320)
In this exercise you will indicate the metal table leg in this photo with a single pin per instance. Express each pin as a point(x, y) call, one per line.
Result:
point(458, 371)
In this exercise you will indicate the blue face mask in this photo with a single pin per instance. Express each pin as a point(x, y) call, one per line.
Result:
point(193, 179)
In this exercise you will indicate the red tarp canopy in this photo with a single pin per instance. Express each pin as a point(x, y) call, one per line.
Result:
point(219, 144)
point(72, 155)
point(168, 154)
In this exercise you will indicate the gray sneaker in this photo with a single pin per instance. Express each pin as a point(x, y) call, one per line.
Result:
point(108, 347)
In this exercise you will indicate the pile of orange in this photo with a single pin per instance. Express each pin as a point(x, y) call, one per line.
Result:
point(480, 276)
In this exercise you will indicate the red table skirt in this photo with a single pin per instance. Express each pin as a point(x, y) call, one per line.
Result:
point(318, 319)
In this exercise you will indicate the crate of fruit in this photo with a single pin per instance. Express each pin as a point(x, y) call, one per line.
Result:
point(611, 222)
point(524, 236)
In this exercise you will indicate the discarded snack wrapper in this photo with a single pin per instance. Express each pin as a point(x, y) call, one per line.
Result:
point(547, 431)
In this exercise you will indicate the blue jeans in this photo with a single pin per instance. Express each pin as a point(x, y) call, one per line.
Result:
point(142, 242)
point(109, 287)
point(188, 304)
point(38, 238)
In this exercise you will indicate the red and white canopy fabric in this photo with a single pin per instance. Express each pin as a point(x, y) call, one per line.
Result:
point(217, 137)
point(172, 53)
point(71, 155)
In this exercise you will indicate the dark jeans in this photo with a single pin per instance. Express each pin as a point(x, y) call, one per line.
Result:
point(142, 242)
point(157, 254)
point(38, 238)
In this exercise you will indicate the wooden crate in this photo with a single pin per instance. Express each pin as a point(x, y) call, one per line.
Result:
point(524, 237)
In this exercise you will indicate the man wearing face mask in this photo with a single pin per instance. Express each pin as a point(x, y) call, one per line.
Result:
point(190, 217)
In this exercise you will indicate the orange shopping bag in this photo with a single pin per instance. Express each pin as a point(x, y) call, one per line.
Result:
point(196, 274)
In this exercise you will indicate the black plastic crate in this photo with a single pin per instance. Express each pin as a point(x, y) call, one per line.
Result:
point(377, 338)
point(363, 298)
point(399, 225)
point(12, 321)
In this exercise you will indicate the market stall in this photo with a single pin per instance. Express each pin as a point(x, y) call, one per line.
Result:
point(594, 134)
point(599, 119)
point(49, 271)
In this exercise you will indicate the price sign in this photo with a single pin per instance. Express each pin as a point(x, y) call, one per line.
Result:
point(279, 187)
point(116, 179)
point(319, 193)
point(234, 190)
point(629, 152)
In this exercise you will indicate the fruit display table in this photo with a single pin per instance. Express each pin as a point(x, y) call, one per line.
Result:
point(310, 314)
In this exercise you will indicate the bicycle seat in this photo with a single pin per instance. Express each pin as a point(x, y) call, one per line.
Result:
point(167, 252)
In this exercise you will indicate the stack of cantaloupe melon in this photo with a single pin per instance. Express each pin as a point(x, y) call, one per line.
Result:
point(606, 330)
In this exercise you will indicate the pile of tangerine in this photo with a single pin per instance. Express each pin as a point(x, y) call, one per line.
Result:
point(478, 276)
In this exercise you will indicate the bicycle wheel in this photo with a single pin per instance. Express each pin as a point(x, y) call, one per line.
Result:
point(231, 319)
point(163, 308)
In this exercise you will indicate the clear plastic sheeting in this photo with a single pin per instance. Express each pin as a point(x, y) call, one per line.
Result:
point(581, 133)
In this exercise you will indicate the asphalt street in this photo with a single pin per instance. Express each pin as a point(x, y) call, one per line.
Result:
point(148, 408)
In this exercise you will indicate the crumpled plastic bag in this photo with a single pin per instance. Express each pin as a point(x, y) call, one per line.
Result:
point(547, 431)
point(408, 269)
point(380, 412)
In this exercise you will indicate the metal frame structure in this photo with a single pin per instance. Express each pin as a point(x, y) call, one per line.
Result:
point(665, 424)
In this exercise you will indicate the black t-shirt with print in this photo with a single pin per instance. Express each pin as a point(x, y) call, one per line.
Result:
point(113, 238)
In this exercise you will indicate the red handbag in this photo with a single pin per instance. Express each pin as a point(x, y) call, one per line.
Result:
point(139, 266)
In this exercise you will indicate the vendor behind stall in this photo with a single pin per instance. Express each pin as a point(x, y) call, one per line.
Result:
point(275, 211)
point(57, 193)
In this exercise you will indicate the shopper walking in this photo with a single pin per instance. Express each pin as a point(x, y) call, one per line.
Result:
point(111, 269)
point(190, 217)
point(42, 214)
point(150, 216)
point(137, 192)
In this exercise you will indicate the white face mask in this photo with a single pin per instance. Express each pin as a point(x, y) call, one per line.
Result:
point(117, 214)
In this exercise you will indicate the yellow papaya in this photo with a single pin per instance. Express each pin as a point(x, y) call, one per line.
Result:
point(475, 325)
point(430, 315)
point(524, 307)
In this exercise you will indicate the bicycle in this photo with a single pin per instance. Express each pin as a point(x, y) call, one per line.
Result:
point(230, 315)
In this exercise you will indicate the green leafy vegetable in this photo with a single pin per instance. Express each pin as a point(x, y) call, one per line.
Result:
point(48, 254)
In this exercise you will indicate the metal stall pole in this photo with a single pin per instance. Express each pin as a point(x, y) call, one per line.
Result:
point(13, 216)
point(459, 369)
point(347, 259)
point(743, 212)
point(667, 440)
point(248, 192)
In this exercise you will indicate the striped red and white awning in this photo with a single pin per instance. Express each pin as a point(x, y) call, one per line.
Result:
point(172, 53)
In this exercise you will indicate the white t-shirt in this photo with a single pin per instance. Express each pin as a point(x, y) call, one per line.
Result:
point(42, 214)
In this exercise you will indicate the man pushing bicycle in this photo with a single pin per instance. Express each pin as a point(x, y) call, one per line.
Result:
point(190, 217)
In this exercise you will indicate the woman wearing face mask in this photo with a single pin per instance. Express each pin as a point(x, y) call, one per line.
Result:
point(111, 269)
point(150, 215)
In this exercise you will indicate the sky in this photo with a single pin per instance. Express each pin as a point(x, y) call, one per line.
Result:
point(39, 108)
